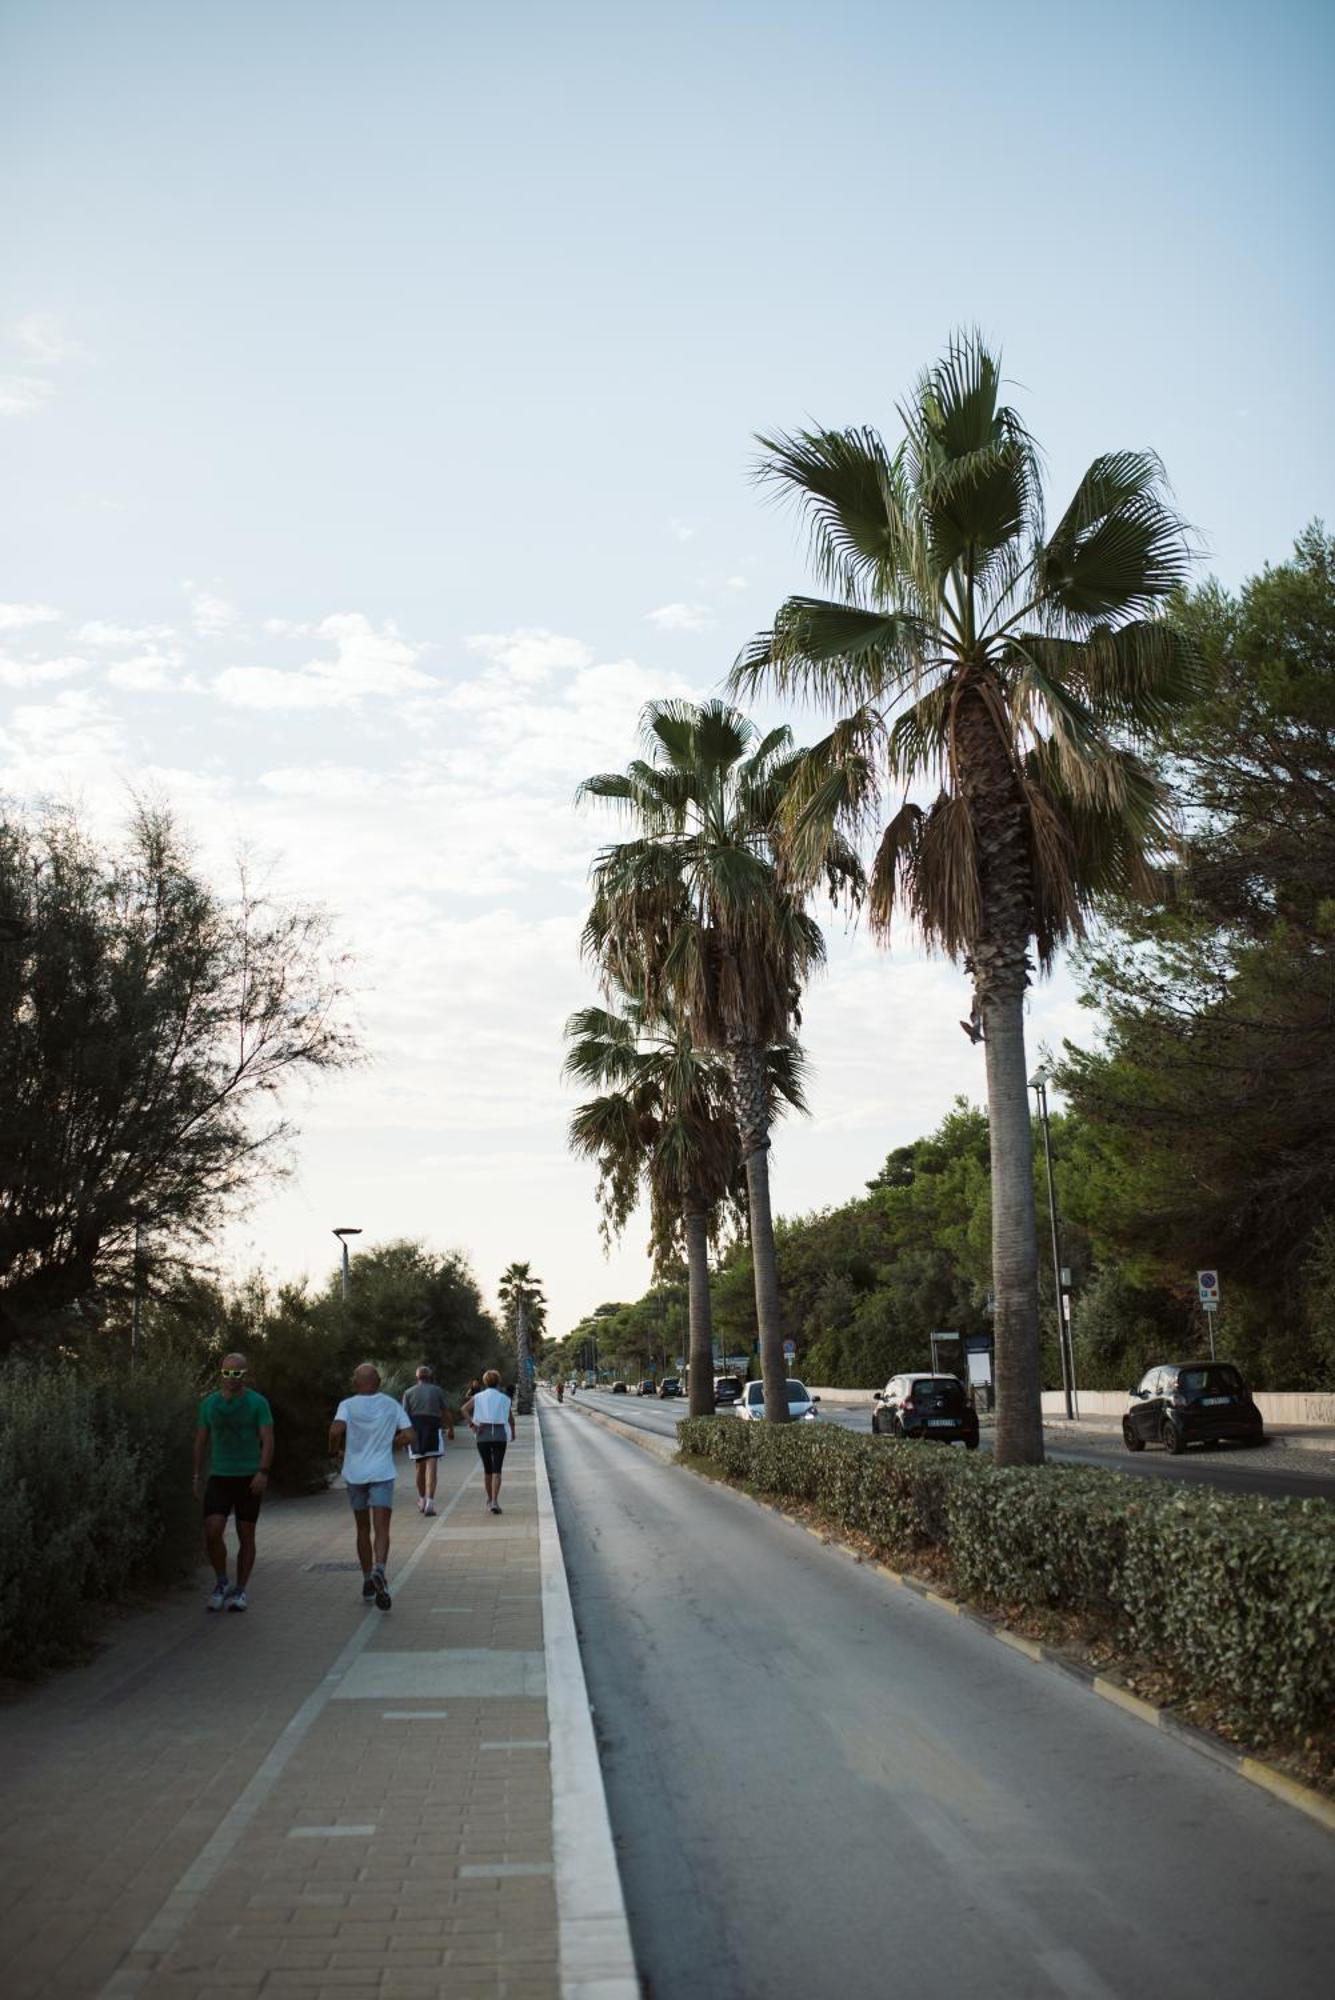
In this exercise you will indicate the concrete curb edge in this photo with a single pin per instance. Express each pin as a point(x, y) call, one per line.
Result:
point(1316, 1805)
point(597, 1960)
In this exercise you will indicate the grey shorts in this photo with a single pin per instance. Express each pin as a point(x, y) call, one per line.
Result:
point(366, 1493)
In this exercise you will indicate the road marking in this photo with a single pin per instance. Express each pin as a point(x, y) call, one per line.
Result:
point(519, 1743)
point(472, 1672)
point(414, 1715)
point(329, 1832)
point(163, 1931)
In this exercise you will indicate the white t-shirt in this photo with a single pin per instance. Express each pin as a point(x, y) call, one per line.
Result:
point(491, 1406)
point(373, 1422)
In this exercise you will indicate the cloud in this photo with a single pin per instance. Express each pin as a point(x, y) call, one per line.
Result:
point(34, 673)
point(42, 340)
point(17, 617)
point(681, 531)
point(365, 662)
point(102, 632)
point(211, 616)
point(529, 652)
point(681, 617)
point(152, 672)
point(59, 746)
point(736, 583)
point(22, 395)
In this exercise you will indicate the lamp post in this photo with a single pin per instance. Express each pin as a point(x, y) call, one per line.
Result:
point(1038, 1083)
point(343, 1235)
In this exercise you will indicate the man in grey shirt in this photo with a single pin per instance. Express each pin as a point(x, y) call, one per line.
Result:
point(426, 1405)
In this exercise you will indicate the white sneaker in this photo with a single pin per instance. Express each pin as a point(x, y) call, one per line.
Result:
point(237, 1601)
point(222, 1590)
point(430, 1507)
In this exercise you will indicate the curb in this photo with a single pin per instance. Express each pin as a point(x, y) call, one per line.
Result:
point(1318, 1806)
point(597, 1961)
point(656, 1447)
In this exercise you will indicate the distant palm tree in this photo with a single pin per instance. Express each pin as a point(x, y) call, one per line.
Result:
point(696, 911)
point(522, 1297)
point(665, 1120)
point(1012, 669)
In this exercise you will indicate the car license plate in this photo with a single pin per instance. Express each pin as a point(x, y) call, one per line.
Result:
point(942, 1423)
point(1207, 1401)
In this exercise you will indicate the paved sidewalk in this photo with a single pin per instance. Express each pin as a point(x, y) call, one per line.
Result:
point(315, 1798)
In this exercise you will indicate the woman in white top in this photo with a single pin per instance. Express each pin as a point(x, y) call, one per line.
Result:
point(488, 1412)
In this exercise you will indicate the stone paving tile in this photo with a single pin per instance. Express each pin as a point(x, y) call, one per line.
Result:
point(118, 1774)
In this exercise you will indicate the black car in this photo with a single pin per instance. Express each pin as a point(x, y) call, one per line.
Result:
point(620, 1389)
point(727, 1389)
point(669, 1386)
point(646, 1388)
point(926, 1406)
point(1191, 1402)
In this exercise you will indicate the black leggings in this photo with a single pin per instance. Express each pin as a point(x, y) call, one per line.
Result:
point(493, 1455)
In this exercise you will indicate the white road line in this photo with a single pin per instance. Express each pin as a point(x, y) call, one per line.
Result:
point(597, 1962)
point(329, 1832)
point(163, 1931)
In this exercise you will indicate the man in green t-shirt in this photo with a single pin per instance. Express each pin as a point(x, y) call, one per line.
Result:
point(235, 1434)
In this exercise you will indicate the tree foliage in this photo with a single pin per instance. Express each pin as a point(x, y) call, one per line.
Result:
point(1209, 1110)
point(146, 1029)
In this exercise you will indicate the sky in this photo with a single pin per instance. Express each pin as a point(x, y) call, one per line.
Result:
point(378, 392)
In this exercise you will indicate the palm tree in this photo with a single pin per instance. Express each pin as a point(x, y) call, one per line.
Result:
point(1014, 671)
point(521, 1295)
point(696, 910)
point(665, 1119)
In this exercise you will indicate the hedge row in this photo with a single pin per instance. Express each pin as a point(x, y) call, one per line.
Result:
point(94, 1499)
point(1234, 1595)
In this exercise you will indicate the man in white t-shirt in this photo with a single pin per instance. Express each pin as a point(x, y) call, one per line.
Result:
point(367, 1430)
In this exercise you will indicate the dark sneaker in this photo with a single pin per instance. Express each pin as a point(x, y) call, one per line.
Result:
point(237, 1601)
point(497, 1508)
point(368, 1586)
point(221, 1592)
point(383, 1600)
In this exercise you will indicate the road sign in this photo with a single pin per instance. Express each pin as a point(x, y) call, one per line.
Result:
point(789, 1349)
point(1207, 1283)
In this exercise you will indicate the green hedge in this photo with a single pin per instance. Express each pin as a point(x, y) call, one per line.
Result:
point(94, 1499)
point(1234, 1595)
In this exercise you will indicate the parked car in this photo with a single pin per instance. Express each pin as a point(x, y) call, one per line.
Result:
point(926, 1406)
point(728, 1389)
point(801, 1403)
point(1191, 1402)
point(670, 1386)
point(645, 1389)
point(620, 1389)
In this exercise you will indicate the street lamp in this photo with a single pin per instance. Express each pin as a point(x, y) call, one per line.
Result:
point(1038, 1083)
point(343, 1235)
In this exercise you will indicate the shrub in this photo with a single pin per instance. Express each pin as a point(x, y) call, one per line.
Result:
point(94, 1497)
point(1235, 1596)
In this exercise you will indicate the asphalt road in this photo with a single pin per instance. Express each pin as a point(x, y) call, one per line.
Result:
point(821, 1785)
point(1272, 1470)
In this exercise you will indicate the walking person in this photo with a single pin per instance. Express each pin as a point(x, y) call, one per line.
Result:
point(489, 1411)
point(426, 1404)
point(235, 1436)
point(367, 1430)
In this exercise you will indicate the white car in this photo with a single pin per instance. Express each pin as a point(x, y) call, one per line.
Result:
point(801, 1402)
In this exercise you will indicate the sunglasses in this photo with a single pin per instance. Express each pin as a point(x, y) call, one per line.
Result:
point(233, 1374)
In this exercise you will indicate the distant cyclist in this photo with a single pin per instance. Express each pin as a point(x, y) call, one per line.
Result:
point(235, 1435)
point(426, 1404)
point(489, 1412)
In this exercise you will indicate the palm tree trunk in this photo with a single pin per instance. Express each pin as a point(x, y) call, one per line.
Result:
point(1014, 1236)
point(752, 1103)
point(700, 1375)
point(999, 961)
point(523, 1361)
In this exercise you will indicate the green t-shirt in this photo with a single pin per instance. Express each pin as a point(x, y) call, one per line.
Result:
point(233, 1424)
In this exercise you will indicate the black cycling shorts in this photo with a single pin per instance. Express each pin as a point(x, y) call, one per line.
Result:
point(226, 1494)
point(492, 1453)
